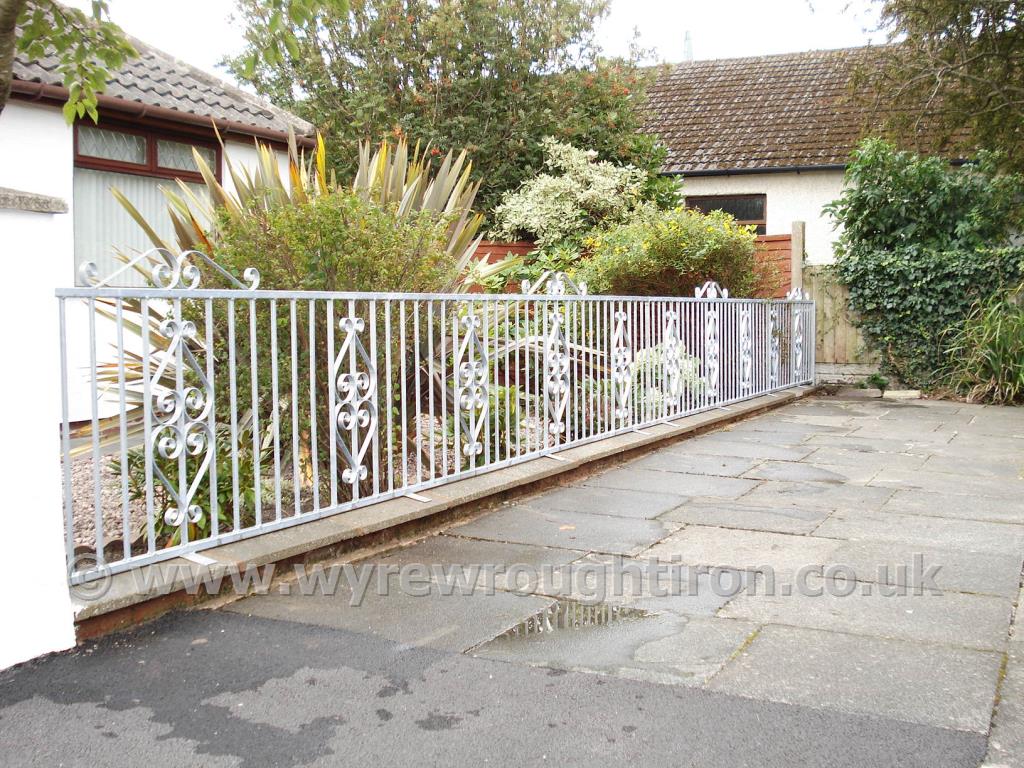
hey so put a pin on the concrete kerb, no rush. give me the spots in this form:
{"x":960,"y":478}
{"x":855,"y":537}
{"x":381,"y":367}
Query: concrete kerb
{"x":382,"y":526}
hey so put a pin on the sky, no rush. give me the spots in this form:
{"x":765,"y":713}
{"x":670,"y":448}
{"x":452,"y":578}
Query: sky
{"x":718,"y":28}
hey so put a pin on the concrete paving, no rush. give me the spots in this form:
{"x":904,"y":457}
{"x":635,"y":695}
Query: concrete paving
{"x":850,"y":576}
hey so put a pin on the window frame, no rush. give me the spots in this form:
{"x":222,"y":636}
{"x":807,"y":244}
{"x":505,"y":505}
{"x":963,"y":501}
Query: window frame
{"x":150,"y":168}
{"x":744,"y":196}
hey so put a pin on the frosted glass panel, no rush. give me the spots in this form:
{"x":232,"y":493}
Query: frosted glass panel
{"x":176,"y":155}
{"x":102,"y":226}
{"x":111,"y":145}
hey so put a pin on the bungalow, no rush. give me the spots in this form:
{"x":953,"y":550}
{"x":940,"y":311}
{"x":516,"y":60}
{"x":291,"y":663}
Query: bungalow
{"x":154,"y":111}
{"x":766,"y":138}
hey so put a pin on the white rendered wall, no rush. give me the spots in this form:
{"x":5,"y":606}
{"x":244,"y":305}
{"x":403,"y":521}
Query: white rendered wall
{"x":36,"y":248}
{"x":243,"y":155}
{"x":790,"y":197}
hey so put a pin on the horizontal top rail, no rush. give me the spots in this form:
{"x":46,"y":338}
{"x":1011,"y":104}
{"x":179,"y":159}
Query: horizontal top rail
{"x":231,"y":293}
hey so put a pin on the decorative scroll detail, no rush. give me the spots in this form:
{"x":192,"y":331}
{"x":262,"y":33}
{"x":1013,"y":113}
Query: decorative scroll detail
{"x":774,"y":356}
{"x":471,"y":367}
{"x":711,"y":290}
{"x":355,"y":413}
{"x":555,"y":284}
{"x":168,"y":271}
{"x":622,"y":366}
{"x":798,"y":340}
{"x":798,"y":294}
{"x":672,"y":357}
{"x":181,"y":423}
{"x":711,"y":347}
{"x":746,"y":351}
{"x":556,"y":370}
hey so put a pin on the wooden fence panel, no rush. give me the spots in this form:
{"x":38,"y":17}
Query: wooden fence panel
{"x":839,"y":341}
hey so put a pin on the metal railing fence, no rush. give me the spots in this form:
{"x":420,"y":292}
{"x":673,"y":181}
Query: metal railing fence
{"x":214,"y":415}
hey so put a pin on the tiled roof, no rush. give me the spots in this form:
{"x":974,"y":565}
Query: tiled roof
{"x":157,"y":79}
{"x":789,"y":110}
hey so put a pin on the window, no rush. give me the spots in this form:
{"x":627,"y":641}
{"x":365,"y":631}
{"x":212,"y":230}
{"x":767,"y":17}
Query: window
{"x":142,"y":152}
{"x":746,"y":209}
{"x":140,"y":163}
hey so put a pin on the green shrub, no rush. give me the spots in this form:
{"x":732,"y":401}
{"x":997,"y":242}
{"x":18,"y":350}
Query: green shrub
{"x":669,"y":253}
{"x":906,"y":299}
{"x":338,"y":242}
{"x":921,"y":243}
{"x":575,"y":194}
{"x":986,"y":355}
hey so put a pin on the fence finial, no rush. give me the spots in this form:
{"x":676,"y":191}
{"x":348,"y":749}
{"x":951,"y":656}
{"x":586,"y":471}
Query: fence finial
{"x":711,"y":290}
{"x":798,"y":294}
{"x":555,"y":284}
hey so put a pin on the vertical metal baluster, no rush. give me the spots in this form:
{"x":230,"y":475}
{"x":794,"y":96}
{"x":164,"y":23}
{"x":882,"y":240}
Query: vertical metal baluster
{"x":405,"y":419}
{"x":233,"y":400}
{"x":508,"y":387}
{"x":95,"y":425}
{"x":353,"y":432}
{"x":294,"y":334}
{"x":257,"y":472}
{"x":210,"y":366}
{"x":375,"y":425}
{"x":544,"y":368}
{"x":275,"y":413}
{"x":313,"y":449}
{"x":147,"y":429}
{"x":457,"y":406}
{"x":485,"y":426}
{"x":390,"y":390}
{"x":498,"y":437}
{"x":430,"y":387}
{"x":65,"y":438}
{"x":444,"y":388}
{"x":527,"y":328}
{"x":179,"y":376}
{"x":417,"y":388}
{"x":122,"y":422}
{"x":516,"y":331}
{"x":332,"y":379}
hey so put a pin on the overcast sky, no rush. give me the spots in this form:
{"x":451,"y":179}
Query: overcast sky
{"x":200,"y":32}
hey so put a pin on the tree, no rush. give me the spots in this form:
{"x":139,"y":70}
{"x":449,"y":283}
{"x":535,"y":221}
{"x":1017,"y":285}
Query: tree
{"x":87,"y":48}
{"x":494,"y":76}
{"x":963,"y":60}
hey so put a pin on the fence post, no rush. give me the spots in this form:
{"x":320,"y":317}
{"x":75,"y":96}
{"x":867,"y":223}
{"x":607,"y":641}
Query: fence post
{"x":796,"y":255}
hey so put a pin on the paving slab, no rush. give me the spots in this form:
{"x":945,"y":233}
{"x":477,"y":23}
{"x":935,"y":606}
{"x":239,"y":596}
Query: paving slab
{"x":521,"y":524}
{"x":644,"y":584}
{"x":680,"y":484}
{"x":996,"y":509}
{"x":951,"y":618}
{"x":945,"y":482}
{"x":972,"y":535}
{"x":830,"y":496}
{"x":603,"y":500}
{"x":443,"y":554}
{"x":805,"y":471}
{"x":451,"y":622}
{"x":960,"y":569}
{"x":658,"y":648}
{"x":696,"y":464}
{"x":736,"y":514}
{"x":872,"y":444}
{"x":944,"y":687}
{"x":729,"y":444}
{"x":1006,"y":742}
{"x":744,"y":550}
{"x":866,"y":458}
{"x":1005,"y":467}
{"x":775,"y":423}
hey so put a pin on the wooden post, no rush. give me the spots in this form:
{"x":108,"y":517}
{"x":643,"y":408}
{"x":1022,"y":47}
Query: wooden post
{"x":796,"y":257}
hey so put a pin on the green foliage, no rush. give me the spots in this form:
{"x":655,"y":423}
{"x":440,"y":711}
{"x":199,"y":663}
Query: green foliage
{"x":877,"y":381}
{"x":986,"y":354}
{"x":961,"y":62}
{"x":576,"y":194}
{"x":494,"y":76}
{"x":669,"y":253}
{"x":895,"y":199}
{"x":921,"y":243}
{"x":87,"y":48}
{"x":338,"y":242}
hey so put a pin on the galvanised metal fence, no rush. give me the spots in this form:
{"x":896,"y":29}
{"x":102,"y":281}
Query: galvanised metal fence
{"x":213,"y":415}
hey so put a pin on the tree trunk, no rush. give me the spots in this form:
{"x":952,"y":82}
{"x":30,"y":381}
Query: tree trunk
{"x":10,"y":10}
